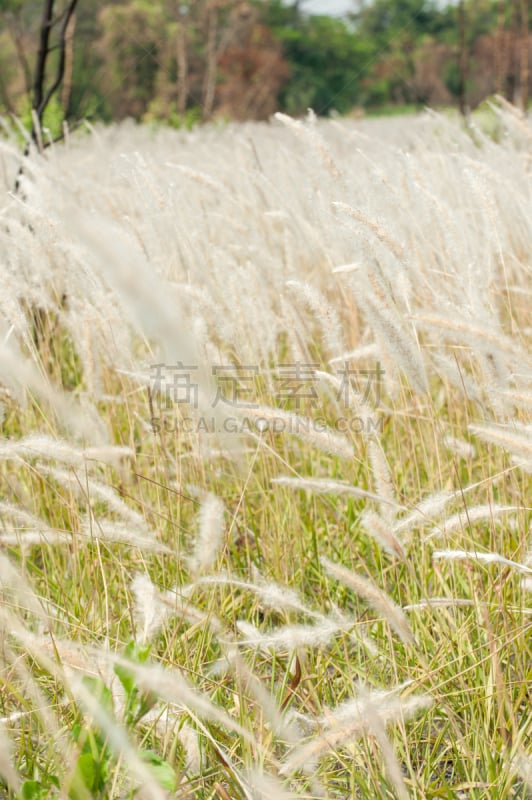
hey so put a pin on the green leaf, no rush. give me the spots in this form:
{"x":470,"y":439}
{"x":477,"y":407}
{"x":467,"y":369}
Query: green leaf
{"x":87,"y":778}
{"x":162,"y":771}
{"x":126,"y":678}
{"x":138,"y":655}
{"x":39,"y":790}
{"x":99,"y":691}
{"x":87,"y":768}
{"x":146,"y":702}
{"x":34,"y":790}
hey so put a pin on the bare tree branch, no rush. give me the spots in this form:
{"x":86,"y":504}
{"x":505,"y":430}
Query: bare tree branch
{"x":463,"y":59}
{"x":42,"y":56}
{"x":62,"y":50}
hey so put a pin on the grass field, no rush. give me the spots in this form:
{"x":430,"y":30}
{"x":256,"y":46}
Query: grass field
{"x":265,"y":459}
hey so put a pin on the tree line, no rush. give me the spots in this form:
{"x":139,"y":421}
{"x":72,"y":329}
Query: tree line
{"x":182,"y":61}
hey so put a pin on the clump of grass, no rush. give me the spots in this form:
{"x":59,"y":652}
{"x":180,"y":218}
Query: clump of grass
{"x":234,"y":562}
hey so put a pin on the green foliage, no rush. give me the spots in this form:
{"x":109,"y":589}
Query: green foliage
{"x":10,"y":5}
{"x":156,"y":114}
{"x":133,"y":35}
{"x":39,"y":790}
{"x":94,"y":762}
{"x":137,"y":703}
{"x":93,"y":772}
{"x":161,"y":769}
{"x":384,"y":19}
{"x":126,"y":57}
{"x":53,"y":118}
{"x":328,"y":60}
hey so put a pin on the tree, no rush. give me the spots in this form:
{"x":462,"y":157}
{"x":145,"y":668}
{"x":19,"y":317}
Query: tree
{"x":463,"y":59}
{"x":185,"y":60}
{"x":326,"y":59}
{"x":12,"y":11}
{"x":252,"y":68}
{"x":45,"y":88}
{"x":15,"y":41}
{"x":178,"y":12}
{"x":132,"y":47}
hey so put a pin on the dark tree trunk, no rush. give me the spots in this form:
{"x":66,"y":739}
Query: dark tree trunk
{"x":524,"y":53}
{"x":41,"y":94}
{"x":463,"y":59}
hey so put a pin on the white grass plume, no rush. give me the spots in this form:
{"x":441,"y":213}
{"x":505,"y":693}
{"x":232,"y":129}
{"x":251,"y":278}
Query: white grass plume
{"x":378,"y":599}
{"x":288,"y":638}
{"x":29,"y":538}
{"x":42,"y":446}
{"x":150,"y":613}
{"x":377,"y":728}
{"x":405,"y":353}
{"x":424,"y":513}
{"x":210,"y":535}
{"x":329,"y":486}
{"x":95,"y":490}
{"x":20,"y":375}
{"x":173,"y":687}
{"x":148,"y":301}
{"x":304,"y":428}
{"x":459,"y":447}
{"x":202,"y":178}
{"x":522,"y":765}
{"x":274,"y":716}
{"x":440,"y":602}
{"x":108,"y":530}
{"x":363,"y":352}
{"x":382,"y":478}
{"x":469,"y":330}
{"x":7,"y":770}
{"x":323,"y":310}
{"x":35,"y":446}
{"x":20,"y":515}
{"x":283,"y":599}
{"x":271,"y":595}
{"x":12,"y":580}
{"x":265,"y":787}
{"x":376,"y":229}
{"x":170,"y":604}
{"x":354,"y":401}
{"x":189,"y":740}
{"x":351,"y":720}
{"x":463,"y":519}
{"x":526,"y":583}
{"x":516,"y":439}
{"x":381,"y":531}
{"x":483,"y":558}
{"x":308,"y":134}
{"x":342,"y":268}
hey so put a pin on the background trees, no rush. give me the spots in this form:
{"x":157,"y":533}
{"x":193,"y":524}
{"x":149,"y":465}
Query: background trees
{"x":182,"y":60}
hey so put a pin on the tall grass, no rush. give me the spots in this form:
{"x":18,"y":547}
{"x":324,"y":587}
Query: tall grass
{"x":293,"y":559}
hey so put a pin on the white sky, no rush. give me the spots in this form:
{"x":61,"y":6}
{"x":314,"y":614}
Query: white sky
{"x":335,"y":8}
{"x":332,"y":7}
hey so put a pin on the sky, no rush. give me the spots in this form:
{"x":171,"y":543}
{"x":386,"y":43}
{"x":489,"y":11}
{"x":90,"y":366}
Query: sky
{"x":332,"y":7}
{"x":335,"y":8}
